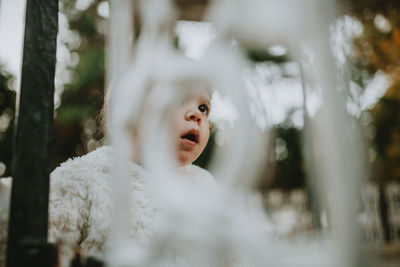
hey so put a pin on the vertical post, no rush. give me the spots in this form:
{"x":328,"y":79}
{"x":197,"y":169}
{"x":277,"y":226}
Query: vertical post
{"x":337,"y":165}
{"x":27,"y":234}
{"x":312,"y":188}
{"x":120,"y":31}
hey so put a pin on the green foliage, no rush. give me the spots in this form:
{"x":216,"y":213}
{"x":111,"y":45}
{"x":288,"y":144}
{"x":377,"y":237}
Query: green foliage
{"x":82,"y":98}
{"x":90,"y":69}
{"x":74,"y":112}
{"x":85,"y":24}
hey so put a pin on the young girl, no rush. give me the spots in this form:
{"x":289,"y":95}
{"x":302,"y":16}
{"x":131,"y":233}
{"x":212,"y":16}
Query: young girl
{"x":81,"y":198}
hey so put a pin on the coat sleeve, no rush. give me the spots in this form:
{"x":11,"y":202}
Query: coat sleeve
{"x":68,"y":205}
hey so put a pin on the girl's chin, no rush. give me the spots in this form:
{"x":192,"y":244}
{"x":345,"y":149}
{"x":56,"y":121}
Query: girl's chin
{"x":185,"y":158}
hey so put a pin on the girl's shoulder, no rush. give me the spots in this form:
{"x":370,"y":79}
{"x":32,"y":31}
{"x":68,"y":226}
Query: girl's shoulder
{"x":77,"y":175}
{"x":92,"y":170}
{"x":93,"y":164}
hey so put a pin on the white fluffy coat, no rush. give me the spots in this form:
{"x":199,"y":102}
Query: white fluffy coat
{"x":80,"y":204}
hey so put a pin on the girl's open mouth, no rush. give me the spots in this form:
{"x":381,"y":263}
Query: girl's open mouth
{"x":191,"y":137}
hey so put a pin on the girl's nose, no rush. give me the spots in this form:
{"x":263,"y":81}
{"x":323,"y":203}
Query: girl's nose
{"x":193,"y":115}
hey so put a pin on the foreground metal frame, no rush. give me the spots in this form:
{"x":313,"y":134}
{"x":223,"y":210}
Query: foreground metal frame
{"x":27,"y":233}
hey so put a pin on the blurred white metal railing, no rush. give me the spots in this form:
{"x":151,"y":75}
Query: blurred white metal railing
{"x":132,"y":64}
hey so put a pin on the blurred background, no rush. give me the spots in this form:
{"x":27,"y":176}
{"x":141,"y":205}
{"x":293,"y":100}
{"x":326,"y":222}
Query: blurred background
{"x":366,"y":45}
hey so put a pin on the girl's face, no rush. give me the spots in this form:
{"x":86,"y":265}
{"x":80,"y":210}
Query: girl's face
{"x":190,"y":126}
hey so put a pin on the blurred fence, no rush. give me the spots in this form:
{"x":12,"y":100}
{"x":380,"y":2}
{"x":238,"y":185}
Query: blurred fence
{"x":292,"y":217}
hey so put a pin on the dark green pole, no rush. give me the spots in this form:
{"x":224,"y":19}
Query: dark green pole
{"x":27,"y":231}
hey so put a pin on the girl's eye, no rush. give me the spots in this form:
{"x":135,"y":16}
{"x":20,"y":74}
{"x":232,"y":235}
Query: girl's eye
{"x":203,"y":109}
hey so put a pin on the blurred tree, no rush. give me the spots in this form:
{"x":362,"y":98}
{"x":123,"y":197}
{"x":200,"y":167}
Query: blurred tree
{"x":289,"y":170}
{"x":77,"y":127}
{"x":7,"y":114}
{"x":359,"y":6}
{"x":378,"y":49}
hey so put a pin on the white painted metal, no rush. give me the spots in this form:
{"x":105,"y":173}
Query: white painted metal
{"x":205,"y":240}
